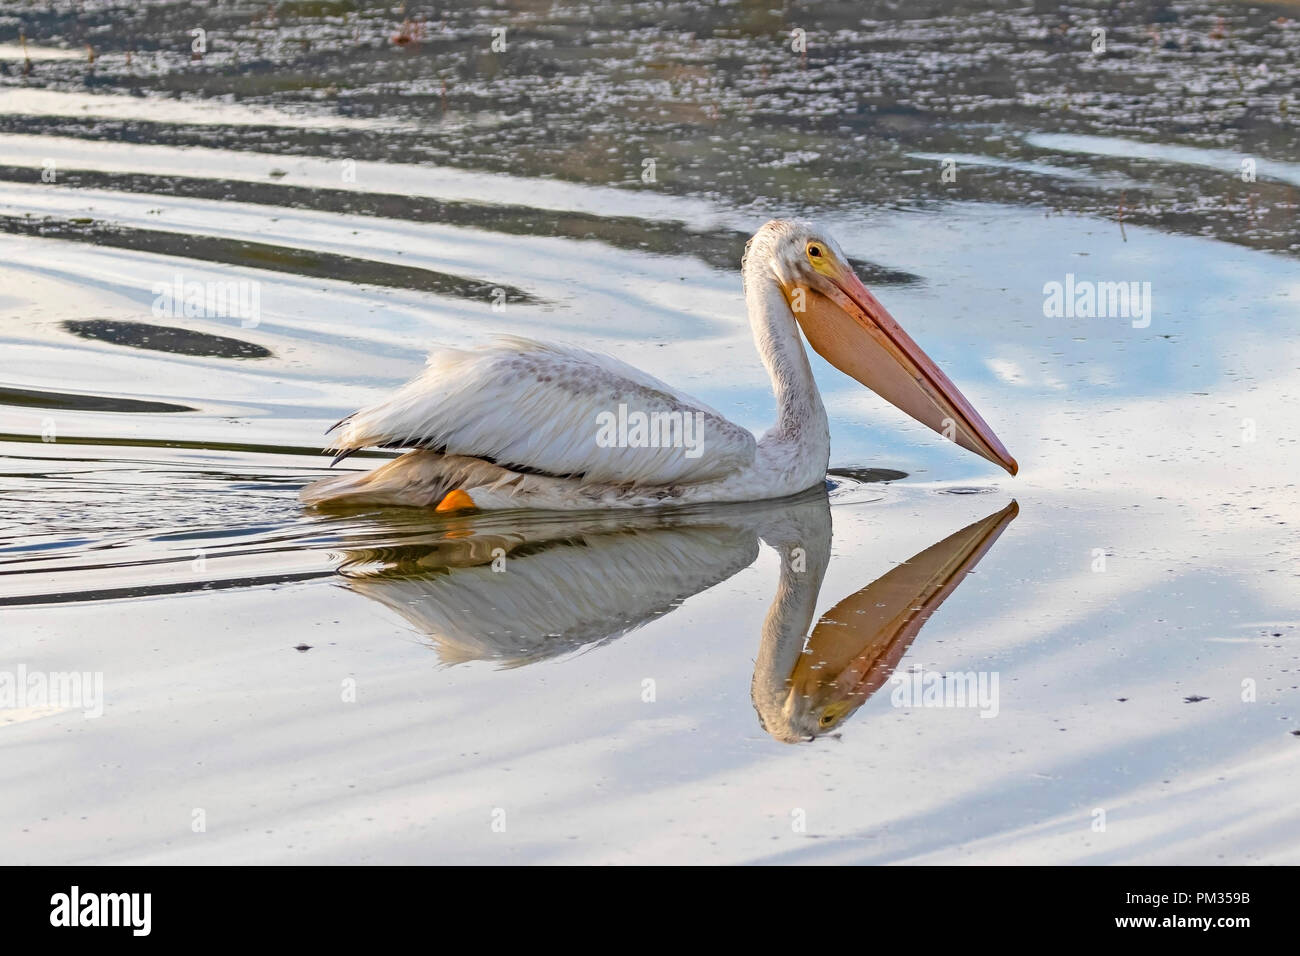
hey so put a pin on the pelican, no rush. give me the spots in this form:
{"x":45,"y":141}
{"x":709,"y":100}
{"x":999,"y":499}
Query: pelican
{"x":524,"y":424}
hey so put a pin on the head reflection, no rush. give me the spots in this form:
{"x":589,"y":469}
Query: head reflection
{"x":519,"y":588}
{"x":808,"y":683}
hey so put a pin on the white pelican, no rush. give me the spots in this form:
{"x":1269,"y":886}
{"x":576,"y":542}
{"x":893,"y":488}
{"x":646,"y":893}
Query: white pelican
{"x":522,"y":424}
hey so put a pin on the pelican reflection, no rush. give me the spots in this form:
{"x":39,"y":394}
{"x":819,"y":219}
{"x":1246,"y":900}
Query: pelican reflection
{"x":519,"y":588}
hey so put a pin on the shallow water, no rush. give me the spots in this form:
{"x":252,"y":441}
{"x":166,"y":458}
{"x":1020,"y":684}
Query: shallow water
{"x":643,"y":688}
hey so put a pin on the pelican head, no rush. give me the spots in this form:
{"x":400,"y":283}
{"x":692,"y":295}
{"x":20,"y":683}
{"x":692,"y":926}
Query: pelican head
{"x":847,"y":326}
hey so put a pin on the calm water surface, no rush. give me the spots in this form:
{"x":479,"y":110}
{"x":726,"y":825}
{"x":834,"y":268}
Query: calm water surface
{"x":719,"y":684}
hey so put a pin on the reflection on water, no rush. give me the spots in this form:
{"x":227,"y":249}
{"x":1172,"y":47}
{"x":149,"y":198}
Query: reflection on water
{"x":552,"y":584}
{"x":855,"y":646}
{"x":163,"y":338}
{"x":546,"y":586}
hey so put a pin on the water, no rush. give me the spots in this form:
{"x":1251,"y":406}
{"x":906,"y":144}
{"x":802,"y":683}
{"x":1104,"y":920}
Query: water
{"x":645,"y":688}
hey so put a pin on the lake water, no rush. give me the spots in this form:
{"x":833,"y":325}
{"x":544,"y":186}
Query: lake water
{"x":775,"y":682}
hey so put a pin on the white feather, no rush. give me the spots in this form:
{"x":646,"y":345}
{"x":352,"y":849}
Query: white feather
{"x":535,"y":407}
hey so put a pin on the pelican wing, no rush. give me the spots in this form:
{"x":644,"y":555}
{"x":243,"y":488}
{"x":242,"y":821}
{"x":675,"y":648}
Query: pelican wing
{"x":554,"y":410}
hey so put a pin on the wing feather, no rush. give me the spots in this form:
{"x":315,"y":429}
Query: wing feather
{"x":553,"y":410}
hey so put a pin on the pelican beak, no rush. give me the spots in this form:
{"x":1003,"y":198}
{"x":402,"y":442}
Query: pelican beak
{"x":887,"y":361}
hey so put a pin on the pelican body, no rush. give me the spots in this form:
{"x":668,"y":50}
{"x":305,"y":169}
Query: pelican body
{"x":524,"y":424}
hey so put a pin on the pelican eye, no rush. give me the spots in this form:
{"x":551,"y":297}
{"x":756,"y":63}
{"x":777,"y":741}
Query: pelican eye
{"x":815,"y":251}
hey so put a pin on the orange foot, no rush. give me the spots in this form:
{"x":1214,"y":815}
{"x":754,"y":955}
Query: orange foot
{"x":456,"y":501}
